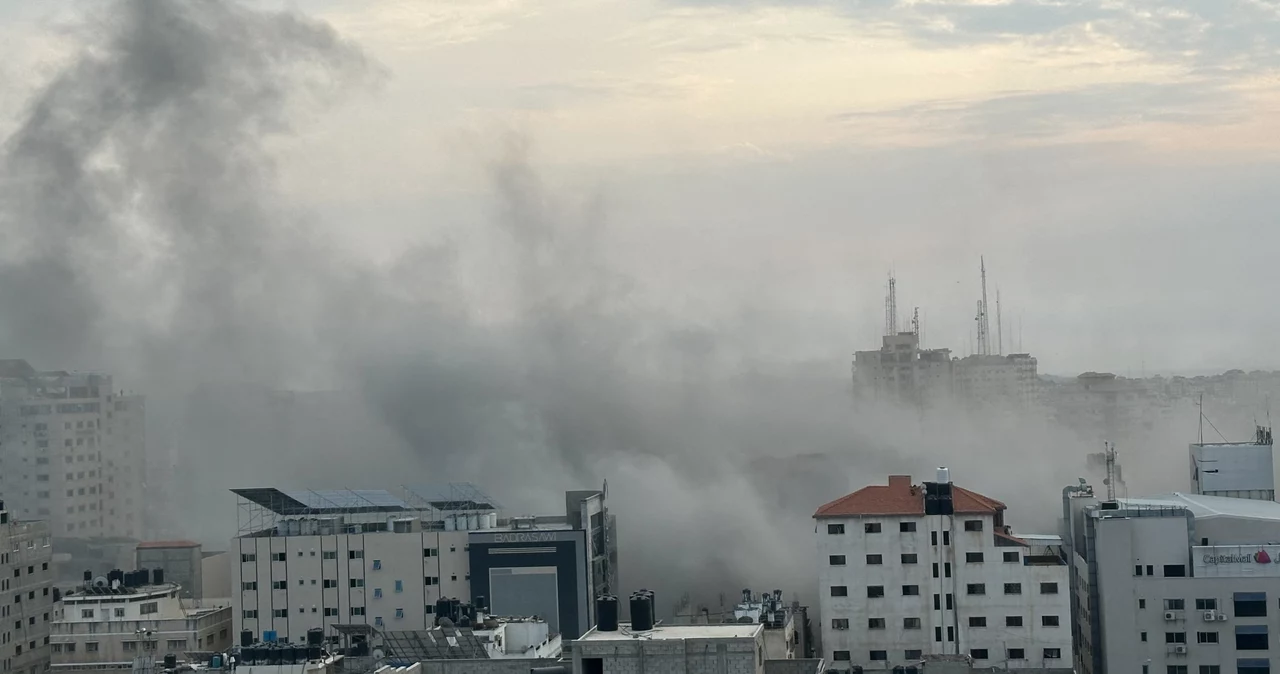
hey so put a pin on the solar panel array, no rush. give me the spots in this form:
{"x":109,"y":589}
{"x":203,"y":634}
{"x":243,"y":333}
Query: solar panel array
{"x":348,"y":499}
{"x":453,"y":496}
{"x":441,"y":643}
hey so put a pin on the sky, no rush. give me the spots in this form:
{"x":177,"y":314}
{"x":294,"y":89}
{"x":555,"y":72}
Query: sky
{"x":1111,"y":159}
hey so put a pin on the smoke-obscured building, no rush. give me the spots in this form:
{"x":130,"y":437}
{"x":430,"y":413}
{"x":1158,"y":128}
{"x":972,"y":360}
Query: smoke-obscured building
{"x":1006,"y":382}
{"x":72,"y":452}
{"x":316,"y":559}
{"x":902,"y":372}
{"x":26,"y":555}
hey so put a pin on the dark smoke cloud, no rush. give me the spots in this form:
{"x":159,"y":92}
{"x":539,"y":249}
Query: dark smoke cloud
{"x":147,"y":237}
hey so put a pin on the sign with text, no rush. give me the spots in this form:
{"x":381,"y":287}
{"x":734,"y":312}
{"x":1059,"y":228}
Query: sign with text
{"x":1236,"y":561}
{"x":529,"y":536}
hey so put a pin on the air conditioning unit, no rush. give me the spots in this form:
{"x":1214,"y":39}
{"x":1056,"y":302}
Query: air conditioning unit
{"x":1222,"y":617}
{"x":1170,"y":615}
{"x":1180,"y":649}
{"x":1210,"y":616}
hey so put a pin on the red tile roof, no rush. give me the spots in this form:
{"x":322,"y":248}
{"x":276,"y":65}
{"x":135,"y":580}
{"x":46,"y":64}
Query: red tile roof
{"x":900,"y":497}
{"x":168,"y":544}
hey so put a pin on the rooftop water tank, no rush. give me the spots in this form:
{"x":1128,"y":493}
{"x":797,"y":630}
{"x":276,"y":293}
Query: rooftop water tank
{"x":641,"y":613}
{"x":607,"y":613}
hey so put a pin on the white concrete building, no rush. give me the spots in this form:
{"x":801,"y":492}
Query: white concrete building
{"x":315,"y":559}
{"x":102,"y":628}
{"x":72,"y":452}
{"x":1235,"y":469}
{"x":26,"y":579}
{"x":1173,"y":584}
{"x":677,"y":649}
{"x":1002,"y":382}
{"x":901,"y":371}
{"x":906,"y":571}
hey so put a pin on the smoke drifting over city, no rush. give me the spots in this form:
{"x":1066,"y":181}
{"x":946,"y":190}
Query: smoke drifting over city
{"x":147,"y":237}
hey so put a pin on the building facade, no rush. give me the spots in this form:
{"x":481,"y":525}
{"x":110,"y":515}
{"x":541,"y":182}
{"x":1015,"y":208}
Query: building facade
{"x":100,"y":628}
{"x":72,"y":452}
{"x":26,"y":580}
{"x":906,"y":571}
{"x":1177,"y":583}
{"x":1235,"y":469}
{"x":902,"y":372}
{"x":1005,"y":382}
{"x":318,"y":559}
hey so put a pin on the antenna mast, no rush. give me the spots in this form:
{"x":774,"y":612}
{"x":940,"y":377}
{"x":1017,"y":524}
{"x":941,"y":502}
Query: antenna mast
{"x":891,"y":308}
{"x":1111,"y":470}
{"x":999,"y":327}
{"x":984,"y":324}
{"x":915,"y":324}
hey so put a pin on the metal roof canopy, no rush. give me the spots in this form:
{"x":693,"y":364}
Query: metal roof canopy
{"x":453,"y":496}
{"x":325,"y":501}
{"x":442,"y":643}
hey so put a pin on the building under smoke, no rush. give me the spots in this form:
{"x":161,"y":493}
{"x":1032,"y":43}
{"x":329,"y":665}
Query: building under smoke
{"x":73,"y":452}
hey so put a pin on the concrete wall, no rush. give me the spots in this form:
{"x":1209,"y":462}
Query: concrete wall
{"x":181,"y":565}
{"x":215,"y":575}
{"x":501,"y":666}
{"x":797,"y":666}
{"x":26,"y":576}
{"x":673,"y":656}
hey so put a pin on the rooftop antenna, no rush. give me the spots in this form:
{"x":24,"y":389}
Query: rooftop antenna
{"x":1111,"y":470}
{"x":1200,"y":407}
{"x":999,"y":327}
{"x":891,"y":308}
{"x":984,"y":324}
{"x":915,"y":324}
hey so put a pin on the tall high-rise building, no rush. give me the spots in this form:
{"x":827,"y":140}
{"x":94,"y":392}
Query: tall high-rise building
{"x":72,"y":452}
{"x":900,"y":371}
{"x":26,"y":554}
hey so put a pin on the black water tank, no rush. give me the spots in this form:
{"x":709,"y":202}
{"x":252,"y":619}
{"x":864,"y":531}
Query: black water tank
{"x":442,"y":609}
{"x":607,"y":613}
{"x":314,"y":653}
{"x":641,"y":613}
{"x":455,"y":609}
{"x":272,"y":656}
{"x":480,"y":604}
{"x":246,"y":638}
{"x":315,"y":636}
{"x":653,"y":605}
{"x":170,"y":661}
{"x":158,"y":576}
{"x":88,"y":576}
{"x":554,"y":669}
{"x":114,"y":575}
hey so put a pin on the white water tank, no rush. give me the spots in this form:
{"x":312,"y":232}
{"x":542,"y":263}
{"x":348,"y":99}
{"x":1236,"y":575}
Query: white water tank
{"x":944,"y":475}
{"x":493,"y":520}
{"x":473,"y":521}
{"x":449,"y":523}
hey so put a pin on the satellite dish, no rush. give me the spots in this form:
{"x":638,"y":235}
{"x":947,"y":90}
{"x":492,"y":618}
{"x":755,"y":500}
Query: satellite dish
{"x":378,"y":654}
{"x":100,"y":581}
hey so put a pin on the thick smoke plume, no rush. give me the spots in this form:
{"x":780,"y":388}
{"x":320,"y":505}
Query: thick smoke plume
{"x":146,"y":237}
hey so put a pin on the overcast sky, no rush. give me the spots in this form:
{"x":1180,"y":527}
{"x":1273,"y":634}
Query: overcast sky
{"x":766,"y":164}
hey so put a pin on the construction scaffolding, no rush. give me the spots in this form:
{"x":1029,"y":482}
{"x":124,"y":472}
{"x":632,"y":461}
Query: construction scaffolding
{"x":270,"y":511}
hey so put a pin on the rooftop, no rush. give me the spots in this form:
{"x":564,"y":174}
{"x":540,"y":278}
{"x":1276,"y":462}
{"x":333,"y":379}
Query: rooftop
{"x":167,"y":544}
{"x":725,"y":631}
{"x":900,"y":497}
{"x":1209,"y":507}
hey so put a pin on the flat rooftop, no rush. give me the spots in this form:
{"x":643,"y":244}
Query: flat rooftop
{"x":1209,"y":507}
{"x":723,"y":631}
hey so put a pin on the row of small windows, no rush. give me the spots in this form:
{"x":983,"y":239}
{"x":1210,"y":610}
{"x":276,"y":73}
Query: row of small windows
{"x":1244,"y":604}
{"x":31,"y":569}
{"x":328,"y":554}
{"x":877,"y":591}
{"x":974,"y":621}
{"x":903,"y":527}
{"x":975,"y":653}
{"x":913,"y":558}
{"x":329,"y":612}
{"x":329,"y":583}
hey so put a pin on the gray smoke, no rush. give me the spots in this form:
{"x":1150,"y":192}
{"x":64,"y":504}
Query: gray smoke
{"x":147,"y":238}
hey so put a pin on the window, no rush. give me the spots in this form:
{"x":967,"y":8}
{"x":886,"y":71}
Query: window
{"x":248,"y":586}
{"x":1210,"y":669}
{"x":329,"y":554}
{"x":839,"y":623}
{"x":331,"y":613}
{"x":1206,"y":604}
{"x":1049,"y":621}
{"x":131,"y":645}
{"x":977,"y":653}
{"x":328,"y":583}
{"x":873,"y":592}
{"x":278,"y":556}
{"x":906,"y":527}
{"x":84,"y":613}
{"x":913,"y":654}
{"x":357,"y":610}
{"x":177,"y":644}
{"x":935,"y":569}
{"x":836,"y":560}
{"x":1175,"y":637}
{"x":280,"y":613}
{"x":1137,"y":569}
{"x":430,"y":552}
{"x":1174,"y":604}
{"x":908,"y":558}
{"x":355,"y":554}
{"x":1206,"y":637}
{"x":933,"y":538}
{"x":910,"y":590}
{"x":976,"y":588}
{"x":1013,"y":588}
{"x":973,"y":525}
{"x":1016,"y":654}
{"x":1250,"y":604}
{"x":435,"y":580}
{"x":1150,"y":570}
{"x":249,"y":615}
{"x":879,"y":655}
{"x":946,"y":538}
{"x":910,"y":623}
{"x":279,"y":584}
{"x":871,"y":528}
{"x":973,"y":557}
{"x":399,"y":586}
{"x":835,"y":529}
{"x":875,"y":623}
{"x":1175,"y":669}
{"x":875,"y":559}
{"x":843,"y":591}
{"x":1175,"y":571}
{"x":949,"y":601}
{"x":977,"y":621}
{"x":149,"y":608}
{"x":1142,"y":603}
{"x":840,"y":656}
{"x":1011,"y":556}
{"x":1048,"y":588}
{"x":1251,"y":638}
{"x":1056,"y":654}
{"x":119,"y":613}
{"x":357,"y":582}
{"x":1013,"y":621}
{"x":937,"y":633}
{"x":244,"y":559}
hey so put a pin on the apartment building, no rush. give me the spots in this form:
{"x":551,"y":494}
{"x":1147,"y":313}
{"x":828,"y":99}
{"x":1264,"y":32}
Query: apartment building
{"x":118,"y":627}
{"x":1235,"y":469}
{"x":26,"y":580}
{"x":1004,"y":382}
{"x":902,"y":372}
{"x":72,"y":452}
{"x":315,"y":559}
{"x":907,"y":571}
{"x":1174,"y":584}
